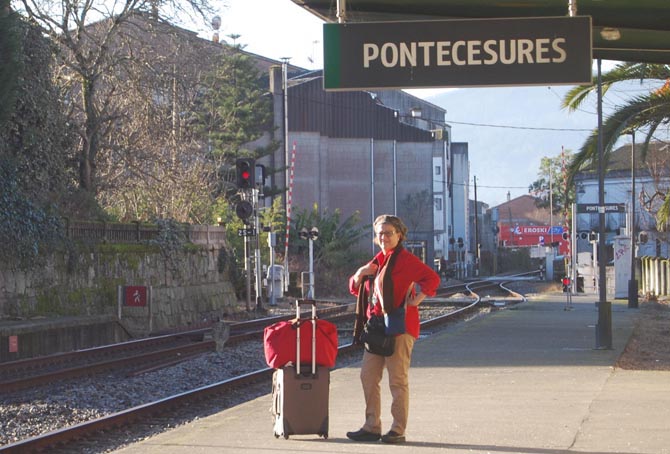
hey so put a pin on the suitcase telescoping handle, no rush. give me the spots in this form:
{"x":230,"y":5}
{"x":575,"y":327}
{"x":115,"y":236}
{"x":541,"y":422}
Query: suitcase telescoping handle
{"x":299,"y":303}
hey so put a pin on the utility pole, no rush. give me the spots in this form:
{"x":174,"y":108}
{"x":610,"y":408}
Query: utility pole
{"x":551,"y":205}
{"x":476,"y":231}
{"x":632,"y":282}
{"x":604,"y":326}
{"x":288,"y":167}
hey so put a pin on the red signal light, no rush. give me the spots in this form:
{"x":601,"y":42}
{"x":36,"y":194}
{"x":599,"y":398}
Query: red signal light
{"x":245,"y":173}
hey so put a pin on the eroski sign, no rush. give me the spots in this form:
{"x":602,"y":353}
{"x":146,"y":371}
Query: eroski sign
{"x":449,"y":53}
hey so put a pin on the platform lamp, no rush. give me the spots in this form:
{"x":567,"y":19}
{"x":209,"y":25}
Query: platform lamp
{"x":632,"y":282}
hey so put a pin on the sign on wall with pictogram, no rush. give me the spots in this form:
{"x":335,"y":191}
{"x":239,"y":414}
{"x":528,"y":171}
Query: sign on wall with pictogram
{"x":135,"y":296}
{"x":13,"y":344}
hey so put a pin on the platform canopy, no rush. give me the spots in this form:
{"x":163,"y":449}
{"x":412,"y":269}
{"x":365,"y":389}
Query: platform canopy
{"x":624,"y":30}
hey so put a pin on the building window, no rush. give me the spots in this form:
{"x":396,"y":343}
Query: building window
{"x":438,"y":170}
{"x":438,"y":203}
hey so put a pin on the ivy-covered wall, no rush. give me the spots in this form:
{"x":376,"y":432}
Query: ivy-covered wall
{"x":188,"y":286}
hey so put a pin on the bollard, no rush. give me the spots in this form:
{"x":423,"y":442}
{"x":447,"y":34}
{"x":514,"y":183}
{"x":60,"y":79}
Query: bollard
{"x":221,"y":334}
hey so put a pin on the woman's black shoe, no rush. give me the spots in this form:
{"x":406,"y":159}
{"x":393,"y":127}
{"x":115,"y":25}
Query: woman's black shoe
{"x":363,"y":435}
{"x":393,"y":437}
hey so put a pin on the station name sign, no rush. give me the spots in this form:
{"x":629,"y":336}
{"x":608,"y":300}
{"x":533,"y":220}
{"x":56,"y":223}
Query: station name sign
{"x":457,"y":53}
{"x":592,"y":208}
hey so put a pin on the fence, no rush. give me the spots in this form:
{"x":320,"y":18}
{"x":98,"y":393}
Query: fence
{"x":111,"y":232}
{"x":655,"y":276}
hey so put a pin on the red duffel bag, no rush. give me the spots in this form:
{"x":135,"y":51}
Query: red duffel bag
{"x":279,"y":343}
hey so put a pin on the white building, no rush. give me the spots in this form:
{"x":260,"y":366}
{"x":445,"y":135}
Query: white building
{"x":652,"y":180}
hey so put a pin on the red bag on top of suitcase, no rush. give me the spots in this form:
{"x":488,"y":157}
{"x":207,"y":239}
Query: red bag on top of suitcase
{"x":280,"y":344}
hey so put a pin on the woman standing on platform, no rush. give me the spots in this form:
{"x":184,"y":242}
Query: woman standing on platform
{"x":395,"y":272}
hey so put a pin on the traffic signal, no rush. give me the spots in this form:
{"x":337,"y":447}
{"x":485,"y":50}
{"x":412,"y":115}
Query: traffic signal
{"x":244,"y":210}
{"x":245,"y":168}
{"x":566,"y":284}
{"x":643,"y":237}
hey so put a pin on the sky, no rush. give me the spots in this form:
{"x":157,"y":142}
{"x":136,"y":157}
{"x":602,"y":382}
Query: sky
{"x":508,"y":129}
{"x":272,"y":28}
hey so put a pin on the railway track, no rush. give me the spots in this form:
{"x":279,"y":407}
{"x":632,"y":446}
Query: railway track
{"x":469,"y":305}
{"x":137,"y":355}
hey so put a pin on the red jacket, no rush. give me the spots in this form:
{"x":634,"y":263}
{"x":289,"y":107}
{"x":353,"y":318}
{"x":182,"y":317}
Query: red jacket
{"x":408,"y":269}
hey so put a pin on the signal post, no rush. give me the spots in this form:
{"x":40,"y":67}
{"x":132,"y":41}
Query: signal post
{"x":247,"y":211}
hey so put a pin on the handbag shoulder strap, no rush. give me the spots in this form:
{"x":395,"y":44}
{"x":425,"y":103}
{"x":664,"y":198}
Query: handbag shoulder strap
{"x":407,"y":295}
{"x":361,"y":309}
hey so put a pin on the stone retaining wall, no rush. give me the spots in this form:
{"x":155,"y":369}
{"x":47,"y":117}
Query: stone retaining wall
{"x":188,"y":287}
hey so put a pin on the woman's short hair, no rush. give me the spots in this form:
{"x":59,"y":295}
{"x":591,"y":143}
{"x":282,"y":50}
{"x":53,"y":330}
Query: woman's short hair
{"x":394,"y":221}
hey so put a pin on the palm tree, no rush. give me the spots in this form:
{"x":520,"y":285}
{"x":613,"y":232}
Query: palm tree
{"x":642,"y":113}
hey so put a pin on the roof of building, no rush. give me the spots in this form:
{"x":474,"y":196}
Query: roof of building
{"x":356,"y":114}
{"x":523,"y":210}
{"x":654,"y":160}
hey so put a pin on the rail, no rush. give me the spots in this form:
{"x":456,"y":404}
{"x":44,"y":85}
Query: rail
{"x":155,"y":409}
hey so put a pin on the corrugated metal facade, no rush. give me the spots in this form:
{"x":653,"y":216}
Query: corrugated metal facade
{"x":356,"y":114}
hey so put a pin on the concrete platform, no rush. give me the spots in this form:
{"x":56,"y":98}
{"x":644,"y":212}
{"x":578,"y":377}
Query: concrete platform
{"x":46,"y":336}
{"x":524,"y":380}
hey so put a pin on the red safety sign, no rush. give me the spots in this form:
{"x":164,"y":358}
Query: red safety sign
{"x":135,"y":295}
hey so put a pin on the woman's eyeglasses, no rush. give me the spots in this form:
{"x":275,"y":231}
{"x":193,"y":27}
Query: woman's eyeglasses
{"x":387,"y":233}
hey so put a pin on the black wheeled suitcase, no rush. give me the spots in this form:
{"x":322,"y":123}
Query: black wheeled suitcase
{"x":300,"y":396}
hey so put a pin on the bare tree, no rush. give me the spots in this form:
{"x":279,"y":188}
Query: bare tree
{"x":158,"y":165}
{"x":90,"y":35}
{"x":417,"y":208}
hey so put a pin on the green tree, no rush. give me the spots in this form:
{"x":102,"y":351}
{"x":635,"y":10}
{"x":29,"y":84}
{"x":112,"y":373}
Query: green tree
{"x":28,"y":231}
{"x":337,"y":251}
{"x":644,"y":113}
{"x":9,"y":60}
{"x":234,"y":111}
{"x":552,"y":182}
{"x":34,"y":154}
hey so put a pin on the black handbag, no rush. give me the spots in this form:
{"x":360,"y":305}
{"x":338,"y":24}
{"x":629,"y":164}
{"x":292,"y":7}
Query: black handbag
{"x":374,"y":337}
{"x":394,"y":322}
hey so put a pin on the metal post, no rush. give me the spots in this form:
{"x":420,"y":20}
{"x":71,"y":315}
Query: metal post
{"x":341,"y":11}
{"x":604,"y":327}
{"x":551,"y":207}
{"x":572,"y":8}
{"x":395,"y":178}
{"x":476,"y":231}
{"x":573,"y":248}
{"x":287,"y":165}
{"x":310,"y":294}
{"x":271,"y":274}
{"x":632,"y":282}
{"x":372,"y":185}
{"x":257,"y":254}
{"x":247,"y":269}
